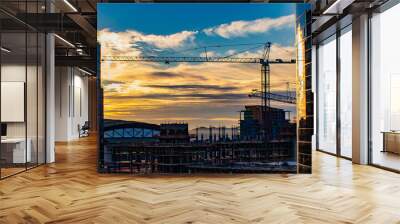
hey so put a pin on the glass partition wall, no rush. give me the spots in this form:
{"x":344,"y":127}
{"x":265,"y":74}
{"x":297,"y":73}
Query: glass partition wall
{"x":334,"y":94}
{"x":22,"y":77}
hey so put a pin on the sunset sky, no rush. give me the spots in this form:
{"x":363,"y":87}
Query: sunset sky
{"x":201,"y":94}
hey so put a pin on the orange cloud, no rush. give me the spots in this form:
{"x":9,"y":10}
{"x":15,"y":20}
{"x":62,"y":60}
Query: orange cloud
{"x":202,"y":93}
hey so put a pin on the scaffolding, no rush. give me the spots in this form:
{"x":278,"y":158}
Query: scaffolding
{"x":225,"y":157}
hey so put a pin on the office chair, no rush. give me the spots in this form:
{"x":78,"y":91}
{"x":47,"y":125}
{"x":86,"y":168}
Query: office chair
{"x":84,"y":130}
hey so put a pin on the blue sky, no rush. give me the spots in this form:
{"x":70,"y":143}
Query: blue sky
{"x":171,"y":18}
{"x":201,"y":94}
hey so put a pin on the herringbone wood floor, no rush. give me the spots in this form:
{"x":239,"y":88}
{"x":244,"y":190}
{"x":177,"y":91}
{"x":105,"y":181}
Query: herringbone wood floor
{"x":70,"y":191}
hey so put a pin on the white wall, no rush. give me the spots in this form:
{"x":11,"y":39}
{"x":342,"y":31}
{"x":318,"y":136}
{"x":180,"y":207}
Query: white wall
{"x":17,"y":73}
{"x":14,"y":73}
{"x":71,"y":102}
{"x":61,"y":103}
{"x":33,"y":126}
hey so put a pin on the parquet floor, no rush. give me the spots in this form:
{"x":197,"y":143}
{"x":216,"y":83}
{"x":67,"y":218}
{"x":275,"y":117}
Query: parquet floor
{"x":70,"y":191}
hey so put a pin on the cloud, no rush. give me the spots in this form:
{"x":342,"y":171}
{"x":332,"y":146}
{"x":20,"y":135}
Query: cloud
{"x":112,"y":82}
{"x":208,"y":96}
{"x":195,"y":114}
{"x":168,"y":75}
{"x":130,"y":42}
{"x":277,"y":52}
{"x":156,"y":92}
{"x":242,"y":28}
{"x":209,"y":54}
{"x":167,"y":41}
{"x":195,"y":87}
{"x":165,"y":75}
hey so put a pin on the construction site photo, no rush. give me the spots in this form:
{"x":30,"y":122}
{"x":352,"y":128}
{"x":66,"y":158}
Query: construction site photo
{"x":198,"y":93}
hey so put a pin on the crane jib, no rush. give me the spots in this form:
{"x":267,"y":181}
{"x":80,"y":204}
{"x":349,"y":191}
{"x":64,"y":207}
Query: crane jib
{"x":197,"y":59}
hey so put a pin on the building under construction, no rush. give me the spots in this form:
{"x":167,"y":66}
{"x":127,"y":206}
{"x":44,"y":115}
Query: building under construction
{"x":252,"y":121}
{"x":174,"y":133}
{"x":228,"y":157}
{"x":172,"y":151}
{"x":214,"y":134}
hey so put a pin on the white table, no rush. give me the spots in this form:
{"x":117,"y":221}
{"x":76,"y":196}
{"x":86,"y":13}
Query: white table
{"x":19,"y":153}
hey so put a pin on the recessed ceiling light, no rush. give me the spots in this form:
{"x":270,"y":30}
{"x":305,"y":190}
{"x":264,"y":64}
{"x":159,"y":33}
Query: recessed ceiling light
{"x":64,"y":40}
{"x":84,"y":71}
{"x":70,"y":5}
{"x":5,"y":50}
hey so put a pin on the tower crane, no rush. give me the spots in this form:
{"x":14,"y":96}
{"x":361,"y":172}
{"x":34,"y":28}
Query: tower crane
{"x":265,"y":93}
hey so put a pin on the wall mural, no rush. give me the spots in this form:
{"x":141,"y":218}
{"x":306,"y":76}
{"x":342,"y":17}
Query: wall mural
{"x":186,"y":91}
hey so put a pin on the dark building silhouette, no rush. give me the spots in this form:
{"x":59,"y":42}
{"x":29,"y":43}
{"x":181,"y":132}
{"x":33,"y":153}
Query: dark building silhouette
{"x":250,"y":128}
{"x":176,"y":133}
{"x":252,"y":122}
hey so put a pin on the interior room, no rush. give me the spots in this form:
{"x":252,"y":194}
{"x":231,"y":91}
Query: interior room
{"x":29,"y":103}
{"x":22,"y":100}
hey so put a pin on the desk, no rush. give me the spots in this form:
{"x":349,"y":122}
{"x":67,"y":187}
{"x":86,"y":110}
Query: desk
{"x":391,"y":141}
{"x":16,"y":147}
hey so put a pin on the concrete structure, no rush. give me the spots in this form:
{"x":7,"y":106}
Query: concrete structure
{"x":253,"y":121}
{"x":177,"y":133}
